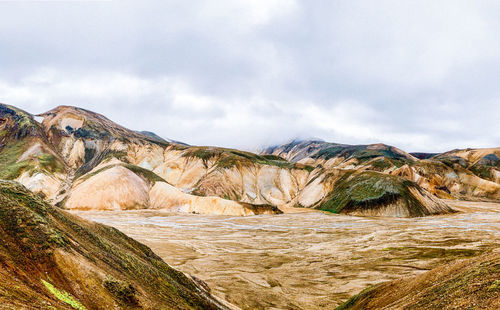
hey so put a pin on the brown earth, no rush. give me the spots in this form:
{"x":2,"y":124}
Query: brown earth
{"x":464,"y":284}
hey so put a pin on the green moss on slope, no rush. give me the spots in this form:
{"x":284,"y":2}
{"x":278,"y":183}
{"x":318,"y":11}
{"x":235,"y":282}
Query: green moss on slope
{"x":32,"y":232}
{"x":9,"y":168}
{"x":64,"y":296}
{"x":123,"y":291}
{"x":461,"y":284}
{"x":362,"y":153}
{"x":229,"y":158}
{"x":146,"y":174}
{"x":371,"y":190}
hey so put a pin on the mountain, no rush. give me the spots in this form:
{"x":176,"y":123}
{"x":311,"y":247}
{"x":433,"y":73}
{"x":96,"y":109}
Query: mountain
{"x":81,"y":160}
{"x":51,"y":259}
{"x":336,"y":154}
{"x":464,"y":284}
{"x":472,"y":174}
{"x":78,"y":159}
{"x":27,"y":155}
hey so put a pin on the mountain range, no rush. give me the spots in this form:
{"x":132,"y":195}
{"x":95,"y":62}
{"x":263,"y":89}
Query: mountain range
{"x":81,"y":160}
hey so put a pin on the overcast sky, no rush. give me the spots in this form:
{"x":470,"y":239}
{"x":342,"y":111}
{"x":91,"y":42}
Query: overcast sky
{"x":420,"y":75}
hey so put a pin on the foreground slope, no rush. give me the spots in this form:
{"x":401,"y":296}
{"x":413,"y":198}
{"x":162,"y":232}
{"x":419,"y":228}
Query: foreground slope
{"x":51,"y":259}
{"x":464,"y":284}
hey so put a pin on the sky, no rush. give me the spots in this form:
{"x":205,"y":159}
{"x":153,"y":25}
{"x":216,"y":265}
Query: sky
{"x":420,"y":75}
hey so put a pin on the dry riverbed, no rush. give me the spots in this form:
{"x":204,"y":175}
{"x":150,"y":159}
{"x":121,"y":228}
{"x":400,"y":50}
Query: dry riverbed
{"x":308,"y":260}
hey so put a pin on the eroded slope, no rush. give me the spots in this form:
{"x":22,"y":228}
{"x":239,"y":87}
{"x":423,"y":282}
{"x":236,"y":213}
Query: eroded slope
{"x":49,"y":258}
{"x":464,"y":284}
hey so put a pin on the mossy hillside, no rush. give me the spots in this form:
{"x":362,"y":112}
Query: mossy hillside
{"x":356,"y":298}
{"x":429,"y":167}
{"x":121,"y":290}
{"x":383,"y":163}
{"x":482,"y":171}
{"x":32,"y":230}
{"x":64,"y":296}
{"x":93,"y":159}
{"x":451,"y":161}
{"x":484,"y":167}
{"x":229,"y":158}
{"x":26,"y":230}
{"x":19,"y":131}
{"x":360,"y":152}
{"x":11,"y":169}
{"x":460,"y":284}
{"x":9,"y":154}
{"x":490,"y":160}
{"x":149,"y":175}
{"x":17,"y":124}
{"x":370,"y":190}
{"x":146,"y":174}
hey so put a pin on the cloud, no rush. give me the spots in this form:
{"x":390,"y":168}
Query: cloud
{"x":421,"y":75}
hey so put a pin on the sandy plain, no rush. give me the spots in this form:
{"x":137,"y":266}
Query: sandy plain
{"x":310,"y":260}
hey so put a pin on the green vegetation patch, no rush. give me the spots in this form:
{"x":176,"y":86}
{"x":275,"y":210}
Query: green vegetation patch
{"x":482,"y":171}
{"x":92,"y":160}
{"x":149,"y":175}
{"x":384,"y":163}
{"x":370,"y":190}
{"x":495,"y":286}
{"x":356,"y":298}
{"x":203,"y":153}
{"x":9,"y":168}
{"x":121,"y":290}
{"x":360,"y":152}
{"x":229,"y":158}
{"x":24,"y":218}
{"x":50,"y":163}
{"x":145,"y":173}
{"x":484,"y":167}
{"x":64,"y":296}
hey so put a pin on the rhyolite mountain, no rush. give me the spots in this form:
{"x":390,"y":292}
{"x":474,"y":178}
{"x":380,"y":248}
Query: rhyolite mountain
{"x":50,"y":259}
{"x":78,"y":159}
{"x":470,"y":174}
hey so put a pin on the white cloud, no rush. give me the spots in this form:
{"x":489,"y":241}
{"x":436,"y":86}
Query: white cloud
{"x":421,"y":75}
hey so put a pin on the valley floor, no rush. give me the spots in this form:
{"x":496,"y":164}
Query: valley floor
{"x":309,"y":260}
